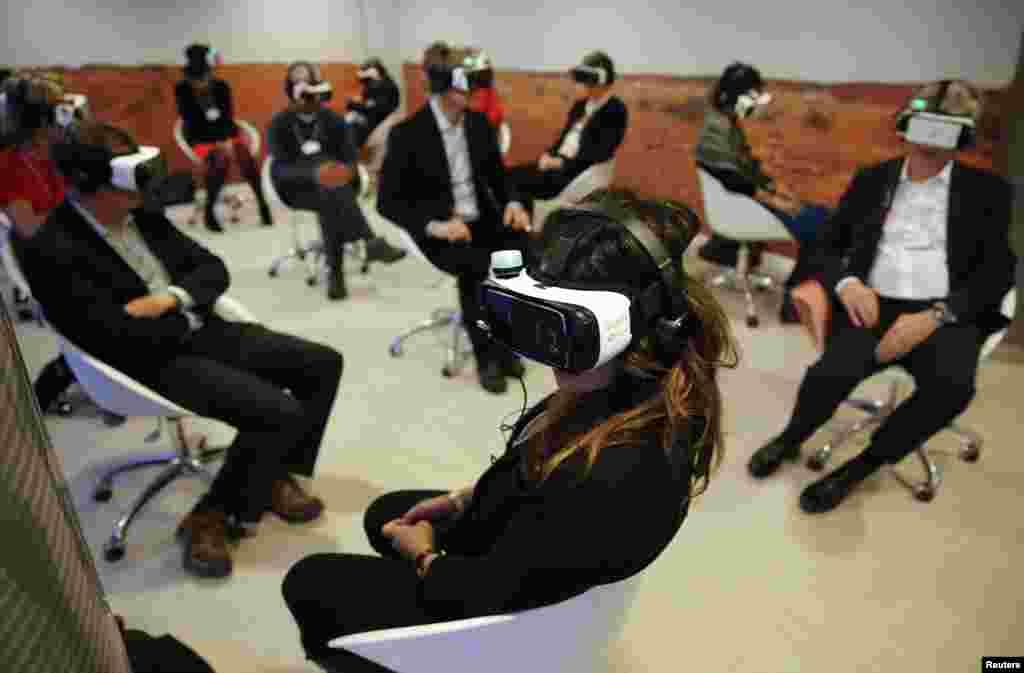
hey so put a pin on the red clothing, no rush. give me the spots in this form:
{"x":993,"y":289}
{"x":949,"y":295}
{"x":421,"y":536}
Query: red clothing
{"x":24,"y":178}
{"x":488,"y":102}
{"x":203,"y":150}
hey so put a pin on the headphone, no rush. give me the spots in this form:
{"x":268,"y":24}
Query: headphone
{"x":935,"y":104}
{"x":440,"y":75}
{"x":662,"y":307}
{"x":314,"y":80}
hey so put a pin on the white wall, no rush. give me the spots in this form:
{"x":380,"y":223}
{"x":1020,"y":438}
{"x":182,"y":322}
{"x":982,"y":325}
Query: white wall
{"x":825,"y":40}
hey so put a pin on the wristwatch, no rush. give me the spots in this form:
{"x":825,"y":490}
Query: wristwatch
{"x":942,"y":313}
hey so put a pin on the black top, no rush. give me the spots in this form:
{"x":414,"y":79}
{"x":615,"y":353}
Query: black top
{"x":416,"y":182}
{"x":83,"y":285}
{"x":291,"y":140}
{"x":193,"y":110}
{"x":380,"y":98}
{"x":601,"y":136}
{"x":520,"y":545}
{"x":981,"y":265}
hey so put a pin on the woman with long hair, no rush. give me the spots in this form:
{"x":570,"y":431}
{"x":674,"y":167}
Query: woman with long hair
{"x":595,"y":481}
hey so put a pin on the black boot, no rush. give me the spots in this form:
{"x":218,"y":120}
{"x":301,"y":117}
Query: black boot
{"x":212,"y":223}
{"x":265,"y":216}
{"x":379,"y":250}
{"x":216,"y":175}
{"x":336,"y":288}
{"x":55,"y":378}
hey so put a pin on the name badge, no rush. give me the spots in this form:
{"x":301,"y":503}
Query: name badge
{"x":311,"y":147}
{"x":213,"y":114}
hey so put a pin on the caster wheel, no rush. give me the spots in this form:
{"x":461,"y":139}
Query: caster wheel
{"x":970,"y":454}
{"x":311,"y":281}
{"x":752,"y":321}
{"x":272,"y":273}
{"x":103,"y":494}
{"x":447,"y":372}
{"x":924,"y":494}
{"x":112,"y":420}
{"x":64,"y":408}
{"x":113,"y":554}
{"x":300,"y":255}
{"x":395,"y":351}
{"x":815,"y":463}
{"x":365,"y":268}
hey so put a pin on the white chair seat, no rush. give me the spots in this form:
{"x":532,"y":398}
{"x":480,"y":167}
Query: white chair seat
{"x":597,"y":177}
{"x":568,"y":637}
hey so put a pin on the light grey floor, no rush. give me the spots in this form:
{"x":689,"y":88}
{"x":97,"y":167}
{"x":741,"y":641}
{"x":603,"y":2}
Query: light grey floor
{"x":884,"y":583}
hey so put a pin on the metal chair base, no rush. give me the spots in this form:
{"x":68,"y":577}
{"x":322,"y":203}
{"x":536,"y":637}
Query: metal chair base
{"x":745,"y":280}
{"x":876,"y":412}
{"x":457,"y":349}
{"x":179,"y":463}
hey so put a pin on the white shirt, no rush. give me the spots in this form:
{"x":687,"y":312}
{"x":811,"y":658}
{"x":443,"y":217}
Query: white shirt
{"x":911,"y":261}
{"x":459,"y":165}
{"x":570,"y":146}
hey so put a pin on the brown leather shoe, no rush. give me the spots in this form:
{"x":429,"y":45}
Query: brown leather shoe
{"x":205,"y":533}
{"x":291,"y":503}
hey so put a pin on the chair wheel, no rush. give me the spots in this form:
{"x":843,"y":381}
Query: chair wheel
{"x":300,"y":254}
{"x":103,"y":494}
{"x":272,"y":273}
{"x":113,"y":553}
{"x":112,"y":420}
{"x":815,"y":463}
{"x":970,"y":454}
{"x":63,"y":408}
{"x":753,"y":321}
{"x":311,"y":281}
{"x":365,"y":268}
{"x":395,"y":350}
{"x":924,"y":493}
{"x":447,"y":372}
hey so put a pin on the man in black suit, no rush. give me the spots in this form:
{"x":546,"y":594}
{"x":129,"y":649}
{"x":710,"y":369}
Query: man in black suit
{"x":118,"y":280}
{"x":593,"y":132}
{"x":443,"y":181}
{"x":917,"y":261}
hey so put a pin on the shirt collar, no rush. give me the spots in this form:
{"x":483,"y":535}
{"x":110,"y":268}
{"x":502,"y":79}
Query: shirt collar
{"x":97,"y":226}
{"x":593,"y":106}
{"x":944,"y":176}
{"x":443,"y":122}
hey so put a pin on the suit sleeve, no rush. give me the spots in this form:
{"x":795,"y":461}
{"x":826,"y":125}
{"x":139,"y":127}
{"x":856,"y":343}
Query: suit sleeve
{"x":601,"y":142}
{"x":202,"y":274}
{"x":396,"y":199}
{"x":835,"y":236}
{"x":504,"y":187}
{"x":227,"y":104}
{"x":574,"y":113}
{"x":993,"y":272}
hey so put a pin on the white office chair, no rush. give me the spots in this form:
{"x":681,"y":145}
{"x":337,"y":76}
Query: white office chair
{"x":457,"y":346}
{"x":119,"y":394}
{"x":744,"y":220}
{"x":569,"y":637}
{"x":312,"y":252}
{"x":597,"y":177}
{"x":25,"y":305}
{"x":376,"y":148}
{"x":878,"y":410}
{"x":233,"y":201}
{"x":504,"y":138}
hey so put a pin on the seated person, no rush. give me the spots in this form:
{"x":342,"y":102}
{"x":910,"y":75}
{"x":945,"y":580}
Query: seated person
{"x":35,"y":111}
{"x":378,"y":100}
{"x":595,"y":129}
{"x":630,"y":436}
{"x":485,"y":98}
{"x":314,"y":166}
{"x":443,"y":181}
{"x":118,"y":280}
{"x":917,"y":262}
{"x":207,"y":114}
{"x":722,"y":150}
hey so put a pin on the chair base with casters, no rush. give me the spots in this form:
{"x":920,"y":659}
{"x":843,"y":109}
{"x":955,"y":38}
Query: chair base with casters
{"x":746,"y":280}
{"x":457,"y":347}
{"x":234,"y":202}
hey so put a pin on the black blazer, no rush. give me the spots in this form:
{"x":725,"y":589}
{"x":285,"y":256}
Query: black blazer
{"x":981,"y":265}
{"x":601,"y":136}
{"x":197,"y":128}
{"x":380,"y":99}
{"x":516,"y":548}
{"x":416,"y":183}
{"x":83,"y":286}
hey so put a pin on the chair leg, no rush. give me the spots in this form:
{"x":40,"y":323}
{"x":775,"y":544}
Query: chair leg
{"x":743,"y":275}
{"x":970,"y":442}
{"x":454,"y":359}
{"x":441,"y":318}
{"x":924,"y":490}
{"x":876,"y":411}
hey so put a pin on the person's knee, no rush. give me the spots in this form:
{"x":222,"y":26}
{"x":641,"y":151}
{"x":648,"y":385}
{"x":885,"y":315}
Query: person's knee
{"x":304,"y":581}
{"x":953,"y":393}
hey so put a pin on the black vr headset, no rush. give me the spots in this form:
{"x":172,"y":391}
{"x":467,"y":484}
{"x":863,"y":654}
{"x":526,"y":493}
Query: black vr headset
{"x":119,"y":164}
{"x":595,"y":70}
{"x":925,"y":120}
{"x":473,"y":73}
{"x":573,"y":327}
{"x":200,"y":59}
{"x":311,"y":87}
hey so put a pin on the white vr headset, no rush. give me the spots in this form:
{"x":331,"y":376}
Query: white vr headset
{"x":137,"y":171}
{"x":73,"y":108}
{"x":747,"y":103}
{"x":937,"y":130}
{"x":302,"y":88}
{"x":368,"y":73}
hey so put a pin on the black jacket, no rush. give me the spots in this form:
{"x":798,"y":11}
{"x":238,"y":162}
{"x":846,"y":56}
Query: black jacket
{"x":380,"y":99}
{"x":83,"y":286}
{"x":416,"y":183}
{"x":288,"y":132}
{"x":981,"y":265}
{"x":601,"y":136}
{"x":516,"y":548}
{"x":197,"y":128}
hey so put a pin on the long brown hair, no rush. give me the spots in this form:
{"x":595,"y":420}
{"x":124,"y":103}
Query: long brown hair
{"x":686,"y":387}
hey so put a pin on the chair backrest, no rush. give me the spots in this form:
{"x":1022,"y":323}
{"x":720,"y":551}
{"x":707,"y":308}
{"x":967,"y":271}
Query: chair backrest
{"x":568,"y":637}
{"x":504,"y":138}
{"x":253,"y":134}
{"x":7,"y":258}
{"x":268,"y":184}
{"x":378,"y":138}
{"x":1008,"y":309}
{"x":597,"y":177}
{"x":736,"y":216}
{"x":179,"y":138}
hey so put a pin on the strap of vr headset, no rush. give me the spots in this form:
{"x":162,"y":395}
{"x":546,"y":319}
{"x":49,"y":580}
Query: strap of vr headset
{"x":662,"y":259}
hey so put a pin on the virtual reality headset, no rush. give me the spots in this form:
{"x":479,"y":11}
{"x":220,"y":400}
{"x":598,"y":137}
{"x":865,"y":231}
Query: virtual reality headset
{"x":118,"y":163}
{"x":73,"y":109}
{"x":568,"y":326}
{"x":939,"y":130}
{"x":461,"y":78}
{"x":589,"y":75}
{"x":303,"y":90}
{"x":365,"y":74}
{"x":747,"y":103}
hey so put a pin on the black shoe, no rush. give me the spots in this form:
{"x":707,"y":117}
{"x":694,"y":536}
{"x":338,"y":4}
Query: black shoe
{"x":379,"y":250}
{"x":265,"y":216}
{"x":212,"y":223}
{"x":769,"y":457}
{"x":719,"y":250}
{"x":492,"y":379}
{"x":336,"y":288}
{"x":826,"y":493}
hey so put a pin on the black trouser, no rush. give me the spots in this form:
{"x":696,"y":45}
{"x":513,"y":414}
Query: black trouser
{"x":537,"y":184}
{"x":943,"y":366}
{"x":217,"y":164}
{"x":238,"y":374}
{"x":341,"y":219}
{"x":332,"y":595}
{"x":470,"y":263}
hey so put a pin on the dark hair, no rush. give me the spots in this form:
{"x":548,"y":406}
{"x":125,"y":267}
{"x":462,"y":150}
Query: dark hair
{"x":687,"y":385}
{"x":29,"y":97}
{"x":737,"y":79}
{"x":599,"y":59}
{"x":83,"y":156}
{"x":379,"y":65}
{"x":197,"y":65}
